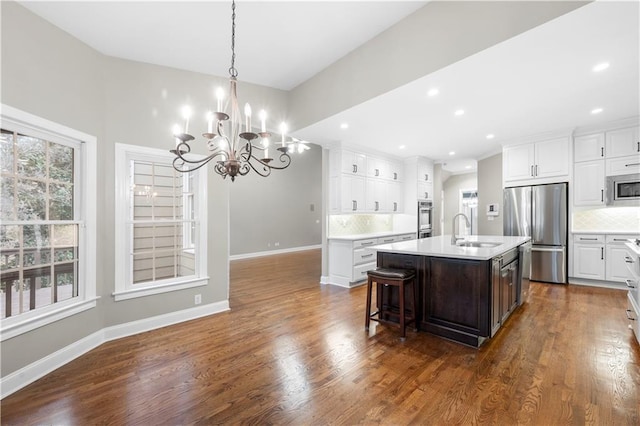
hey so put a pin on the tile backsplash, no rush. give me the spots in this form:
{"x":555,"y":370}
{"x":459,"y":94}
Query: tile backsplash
{"x":624,"y":219}
{"x":350,"y":224}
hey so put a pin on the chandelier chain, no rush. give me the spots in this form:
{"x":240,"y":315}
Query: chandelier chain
{"x":233,"y":71}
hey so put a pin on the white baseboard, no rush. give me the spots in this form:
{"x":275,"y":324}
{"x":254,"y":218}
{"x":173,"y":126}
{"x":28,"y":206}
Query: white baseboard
{"x":324,"y":279}
{"x":597,"y":283}
{"x":34,"y":371}
{"x":272,"y":252}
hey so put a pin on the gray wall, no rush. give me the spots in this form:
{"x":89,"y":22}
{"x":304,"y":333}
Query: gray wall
{"x":489,"y":192}
{"x":48,"y":73}
{"x":451,"y":189}
{"x":277,"y":209}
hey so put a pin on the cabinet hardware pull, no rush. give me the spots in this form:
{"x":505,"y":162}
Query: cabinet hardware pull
{"x":632,"y":164}
{"x":601,"y":253}
{"x":367,"y":255}
{"x":426,"y":176}
{"x":628,"y":283}
{"x":627,"y":259}
{"x":377,"y":206}
{"x":638,"y":146}
{"x":395,"y":206}
{"x":354,"y":205}
{"x":377,"y":172}
{"x":355,"y":168}
{"x":601,"y":151}
{"x":366,"y":244}
{"x":619,"y":239}
{"x":395,"y":176}
{"x":426,"y":195}
{"x":536,"y":170}
{"x":588,"y":239}
{"x":602,"y":195}
{"x":531,"y":171}
{"x":630,"y":318}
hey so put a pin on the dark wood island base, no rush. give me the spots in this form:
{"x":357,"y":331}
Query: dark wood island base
{"x":458,"y":299}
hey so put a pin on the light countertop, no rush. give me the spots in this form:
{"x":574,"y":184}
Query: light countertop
{"x":628,"y":232}
{"x":441,"y":247}
{"x":354,"y":237}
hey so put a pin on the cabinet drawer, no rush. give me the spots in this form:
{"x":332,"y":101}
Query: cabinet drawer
{"x":365,"y":243}
{"x":588,"y":238}
{"x":623,"y":165}
{"x":407,"y":237}
{"x":363,"y":255}
{"x":620,"y":239}
{"x":360,"y":271}
{"x":387,"y":240}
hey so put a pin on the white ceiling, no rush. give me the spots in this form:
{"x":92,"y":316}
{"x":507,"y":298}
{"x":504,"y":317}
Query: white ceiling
{"x":278,"y":43}
{"x":539,"y":81}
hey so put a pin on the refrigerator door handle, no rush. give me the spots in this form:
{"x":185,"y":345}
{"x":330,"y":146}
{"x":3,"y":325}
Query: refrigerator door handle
{"x":535,"y":248}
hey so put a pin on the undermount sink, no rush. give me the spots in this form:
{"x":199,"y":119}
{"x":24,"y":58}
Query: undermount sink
{"x":483,"y":244}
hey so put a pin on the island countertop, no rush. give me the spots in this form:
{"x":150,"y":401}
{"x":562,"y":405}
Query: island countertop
{"x":441,"y":247}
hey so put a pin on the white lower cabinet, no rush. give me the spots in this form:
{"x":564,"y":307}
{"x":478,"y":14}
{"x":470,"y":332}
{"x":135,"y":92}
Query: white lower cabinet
{"x":633,"y":316}
{"x":588,"y":256}
{"x":601,"y":257}
{"x":350,"y":260}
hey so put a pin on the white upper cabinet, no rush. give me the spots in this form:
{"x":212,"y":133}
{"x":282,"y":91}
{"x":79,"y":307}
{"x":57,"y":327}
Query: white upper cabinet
{"x":352,"y":194}
{"x":552,"y":158}
{"x":544,"y":159}
{"x":395,"y":197}
{"x":518,"y":162}
{"x":354,"y":163}
{"x":425,"y":170}
{"x":588,"y":147}
{"x":623,"y":142}
{"x":377,"y":168}
{"x":396,"y":171}
{"x":376,"y":196}
{"x":588,"y":183}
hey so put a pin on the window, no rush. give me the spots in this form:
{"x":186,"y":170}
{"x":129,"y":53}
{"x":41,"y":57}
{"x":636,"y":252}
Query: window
{"x":160,"y":222}
{"x":47,"y":233}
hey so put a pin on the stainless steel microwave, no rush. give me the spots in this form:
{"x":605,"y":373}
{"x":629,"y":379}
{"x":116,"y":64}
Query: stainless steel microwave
{"x":623,"y":190}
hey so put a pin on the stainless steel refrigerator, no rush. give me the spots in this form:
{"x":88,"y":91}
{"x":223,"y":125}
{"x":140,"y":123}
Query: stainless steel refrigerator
{"x":540,"y":212}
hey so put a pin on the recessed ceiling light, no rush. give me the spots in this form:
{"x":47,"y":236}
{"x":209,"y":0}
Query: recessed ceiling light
{"x":459,"y":112}
{"x":601,"y":67}
{"x":402,"y":146}
{"x":433,"y":92}
{"x":344,"y":126}
{"x":491,"y":136}
{"x":452,"y":153}
{"x":596,"y":111}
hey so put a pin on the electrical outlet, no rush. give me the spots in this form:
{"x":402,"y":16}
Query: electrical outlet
{"x":197,"y":299}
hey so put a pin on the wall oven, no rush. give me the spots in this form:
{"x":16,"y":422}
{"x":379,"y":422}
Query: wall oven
{"x":623,"y":190}
{"x":425,"y":218}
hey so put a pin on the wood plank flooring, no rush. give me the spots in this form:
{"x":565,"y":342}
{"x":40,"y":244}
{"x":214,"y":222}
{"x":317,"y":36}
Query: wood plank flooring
{"x":294,"y":352}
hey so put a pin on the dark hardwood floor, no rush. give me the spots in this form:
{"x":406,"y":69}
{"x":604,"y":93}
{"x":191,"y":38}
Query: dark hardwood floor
{"x":294,"y":352}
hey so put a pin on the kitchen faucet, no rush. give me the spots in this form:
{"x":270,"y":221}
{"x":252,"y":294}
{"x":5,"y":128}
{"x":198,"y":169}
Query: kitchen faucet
{"x":455,"y":239}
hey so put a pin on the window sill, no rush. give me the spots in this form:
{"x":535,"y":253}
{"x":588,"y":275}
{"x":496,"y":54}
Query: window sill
{"x":15,"y":326}
{"x":159,"y":289}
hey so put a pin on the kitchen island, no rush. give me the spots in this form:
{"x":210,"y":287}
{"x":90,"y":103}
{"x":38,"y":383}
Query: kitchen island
{"x":466,"y":291}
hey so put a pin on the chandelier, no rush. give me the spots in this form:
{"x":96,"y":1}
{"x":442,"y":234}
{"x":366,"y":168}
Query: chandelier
{"x":237,"y":152}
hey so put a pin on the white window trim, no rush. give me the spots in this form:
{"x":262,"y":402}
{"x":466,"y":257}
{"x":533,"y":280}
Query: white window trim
{"x":123,"y":288}
{"x":18,"y":120}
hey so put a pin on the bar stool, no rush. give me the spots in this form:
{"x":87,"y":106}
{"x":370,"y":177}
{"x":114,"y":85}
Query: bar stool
{"x":399,"y":278}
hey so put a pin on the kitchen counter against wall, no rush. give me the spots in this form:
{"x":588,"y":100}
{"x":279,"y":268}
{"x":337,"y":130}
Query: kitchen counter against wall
{"x":354,"y":237}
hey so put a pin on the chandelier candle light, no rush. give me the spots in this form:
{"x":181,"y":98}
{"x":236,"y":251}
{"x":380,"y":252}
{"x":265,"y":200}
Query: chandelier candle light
{"x":236,"y":152}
